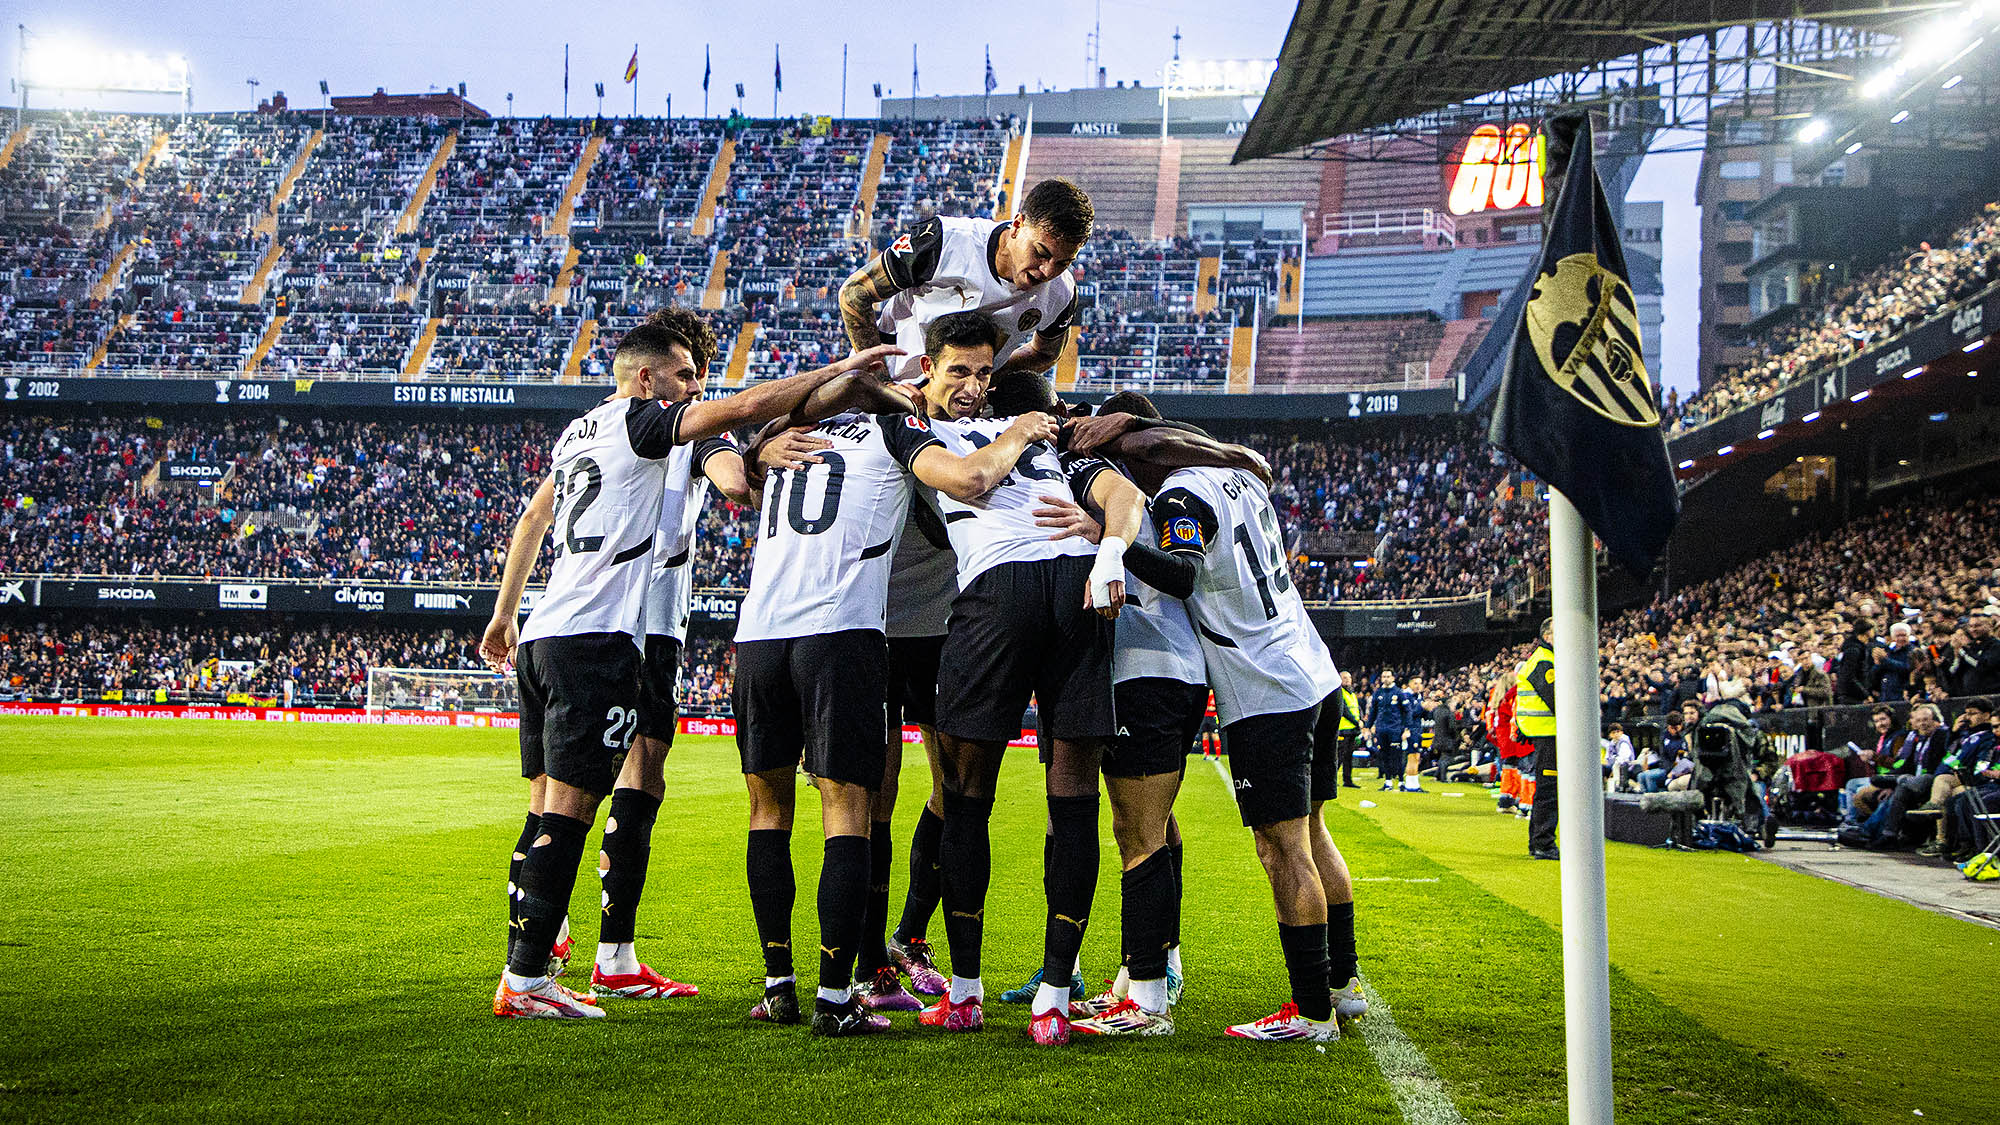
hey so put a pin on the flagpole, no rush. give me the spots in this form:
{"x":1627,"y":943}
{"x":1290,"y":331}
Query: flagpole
{"x":1580,"y":812}
{"x":1579,"y":783}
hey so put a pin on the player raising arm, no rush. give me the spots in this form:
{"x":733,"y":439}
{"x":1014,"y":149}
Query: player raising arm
{"x":1016,"y":273}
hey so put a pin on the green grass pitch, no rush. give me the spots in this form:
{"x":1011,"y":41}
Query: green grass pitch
{"x":236,"y":923}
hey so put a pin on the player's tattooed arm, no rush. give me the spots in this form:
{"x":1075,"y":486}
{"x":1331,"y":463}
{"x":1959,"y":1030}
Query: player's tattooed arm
{"x":497,"y":646}
{"x":863,"y":291}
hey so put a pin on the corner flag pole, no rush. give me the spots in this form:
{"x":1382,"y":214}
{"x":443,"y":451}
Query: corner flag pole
{"x":1580,"y":813}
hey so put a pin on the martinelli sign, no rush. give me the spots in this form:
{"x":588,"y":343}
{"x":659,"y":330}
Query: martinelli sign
{"x":1497,"y":171}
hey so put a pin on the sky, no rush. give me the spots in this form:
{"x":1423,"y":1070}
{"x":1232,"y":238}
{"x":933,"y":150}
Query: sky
{"x":510,"y":46}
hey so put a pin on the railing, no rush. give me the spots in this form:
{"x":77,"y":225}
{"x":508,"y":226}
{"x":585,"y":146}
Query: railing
{"x":1423,"y":221}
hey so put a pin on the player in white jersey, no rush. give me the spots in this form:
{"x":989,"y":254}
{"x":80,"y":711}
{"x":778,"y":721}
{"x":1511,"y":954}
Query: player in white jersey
{"x":1269,"y":670}
{"x":1033,"y":616}
{"x":626,"y":849}
{"x":1015,"y":272}
{"x":578,"y":655}
{"x":811,"y":675}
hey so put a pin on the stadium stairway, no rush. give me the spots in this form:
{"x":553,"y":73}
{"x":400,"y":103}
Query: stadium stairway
{"x":1451,"y":349}
{"x":559,"y":288}
{"x":420,"y":354}
{"x":264,"y":342}
{"x":1066,"y":366}
{"x":14,"y":140}
{"x":407,"y":222}
{"x":579,"y":350}
{"x":268,"y":222}
{"x":1242,"y":359}
{"x":1205,"y":288}
{"x":138,"y":176}
{"x":566,"y":210}
{"x":405,"y":294}
{"x":871,"y":181}
{"x":718,"y":178}
{"x":104,"y":345}
{"x":109,"y":281}
{"x":718,"y":276}
{"x":1010,"y":171}
{"x":253,"y":290}
{"x":1167,"y":189}
{"x":739,"y":355}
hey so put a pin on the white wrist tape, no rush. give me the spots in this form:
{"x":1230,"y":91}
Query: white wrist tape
{"x":1109,"y":568}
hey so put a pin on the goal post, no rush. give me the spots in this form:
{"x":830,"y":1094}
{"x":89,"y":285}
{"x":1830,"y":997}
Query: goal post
{"x":393,"y":690}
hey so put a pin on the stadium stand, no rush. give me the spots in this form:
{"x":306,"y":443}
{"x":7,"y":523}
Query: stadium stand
{"x":199,"y":338}
{"x":649,"y":174}
{"x":1878,"y":305}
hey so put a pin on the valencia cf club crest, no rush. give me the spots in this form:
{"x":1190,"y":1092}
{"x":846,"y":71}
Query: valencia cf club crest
{"x":1584,"y":325}
{"x":1029,"y":319}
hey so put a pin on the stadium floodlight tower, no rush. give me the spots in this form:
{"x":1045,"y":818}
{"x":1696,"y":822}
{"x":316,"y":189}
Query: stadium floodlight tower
{"x":60,"y":64}
{"x":1212,"y":78}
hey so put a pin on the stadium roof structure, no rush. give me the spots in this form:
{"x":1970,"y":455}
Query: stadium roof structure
{"x":1352,"y":66}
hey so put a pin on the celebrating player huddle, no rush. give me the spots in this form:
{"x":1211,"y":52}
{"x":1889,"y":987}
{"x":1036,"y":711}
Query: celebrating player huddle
{"x":905,"y":569}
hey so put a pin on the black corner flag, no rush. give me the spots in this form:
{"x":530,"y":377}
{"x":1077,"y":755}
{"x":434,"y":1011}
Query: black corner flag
{"x":1576,"y":405}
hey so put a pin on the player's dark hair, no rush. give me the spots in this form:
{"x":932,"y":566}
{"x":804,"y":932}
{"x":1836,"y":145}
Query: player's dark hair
{"x":1021,"y":392}
{"x":658,"y":333}
{"x":1130,"y":402}
{"x":960,"y":330}
{"x":1062,"y":209}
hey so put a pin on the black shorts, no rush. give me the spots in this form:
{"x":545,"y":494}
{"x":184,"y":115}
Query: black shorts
{"x":579,"y":707}
{"x":913,"y":677}
{"x":1271,"y":760}
{"x":1158,"y":721}
{"x":1327,"y":737}
{"x":659,"y":688}
{"x":1021,"y":629}
{"x":820,"y":696}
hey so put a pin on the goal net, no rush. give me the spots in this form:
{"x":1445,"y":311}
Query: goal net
{"x":402,"y":690}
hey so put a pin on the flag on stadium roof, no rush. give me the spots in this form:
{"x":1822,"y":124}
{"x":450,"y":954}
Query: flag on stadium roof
{"x":632,"y":68}
{"x":707,"y":68}
{"x":777,"y":70}
{"x":1576,"y":404}
{"x":991,"y":82}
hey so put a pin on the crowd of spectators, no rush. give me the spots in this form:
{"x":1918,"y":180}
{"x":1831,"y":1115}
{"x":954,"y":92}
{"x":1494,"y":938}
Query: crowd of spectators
{"x":74,"y":656}
{"x":1439,"y":513}
{"x":1872,"y":308}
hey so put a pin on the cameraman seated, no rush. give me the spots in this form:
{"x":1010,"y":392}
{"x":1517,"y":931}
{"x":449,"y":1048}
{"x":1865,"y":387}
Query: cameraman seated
{"x":1731,"y":750}
{"x":1919,"y":758}
{"x":1656,"y":765}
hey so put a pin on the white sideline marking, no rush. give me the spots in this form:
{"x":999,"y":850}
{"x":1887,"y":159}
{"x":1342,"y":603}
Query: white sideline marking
{"x":1419,"y":1092}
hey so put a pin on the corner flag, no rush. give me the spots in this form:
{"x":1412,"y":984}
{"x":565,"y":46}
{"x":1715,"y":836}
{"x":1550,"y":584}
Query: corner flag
{"x":632,"y":68}
{"x":1576,"y":405}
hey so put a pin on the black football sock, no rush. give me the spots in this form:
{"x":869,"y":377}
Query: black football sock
{"x":628,"y":844}
{"x":843,"y":895}
{"x":1305,"y":963}
{"x":1175,"y":853}
{"x":521,"y":847}
{"x":768,"y":863}
{"x":1147,"y":895}
{"x":922,"y":900}
{"x":548,"y":876}
{"x":1072,"y":883}
{"x":874,"y":953}
{"x":1346,"y":965}
{"x":965,"y":852}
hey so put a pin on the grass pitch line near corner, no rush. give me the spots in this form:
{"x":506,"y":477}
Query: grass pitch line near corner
{"x":1419,"y":1092}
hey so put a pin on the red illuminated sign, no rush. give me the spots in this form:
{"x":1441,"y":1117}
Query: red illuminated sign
{"x":1500,"y":171}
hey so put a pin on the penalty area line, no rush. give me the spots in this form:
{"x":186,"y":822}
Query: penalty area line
{"x":1419,"y":1092}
